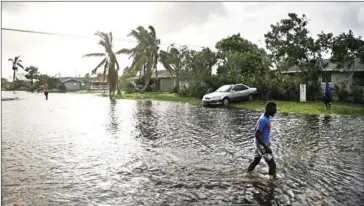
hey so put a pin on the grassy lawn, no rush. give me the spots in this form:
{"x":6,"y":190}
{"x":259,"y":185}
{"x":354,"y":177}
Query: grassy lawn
{"x":312,"y":108}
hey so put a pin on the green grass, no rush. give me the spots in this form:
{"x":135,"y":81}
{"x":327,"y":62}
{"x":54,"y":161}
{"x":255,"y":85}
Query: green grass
{"x":311,"y":108}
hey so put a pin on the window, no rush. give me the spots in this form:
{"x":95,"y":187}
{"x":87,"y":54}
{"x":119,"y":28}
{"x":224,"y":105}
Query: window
{"x":326,"y":76}
{"x":238,"y":88}
{"x":243,"y":87}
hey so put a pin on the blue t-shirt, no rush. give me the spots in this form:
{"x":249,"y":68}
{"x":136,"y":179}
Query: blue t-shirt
{"x":264,"y":126}
{"x":327,"y":91}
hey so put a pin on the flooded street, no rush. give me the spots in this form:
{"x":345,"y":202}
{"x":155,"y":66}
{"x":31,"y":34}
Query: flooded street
{"x":86,"y":150}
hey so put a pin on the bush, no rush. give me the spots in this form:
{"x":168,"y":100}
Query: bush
{"x":357,"y":94}
{"x":341,"y":91}
{"x":268,"y":88}
{"x":63,"y":88}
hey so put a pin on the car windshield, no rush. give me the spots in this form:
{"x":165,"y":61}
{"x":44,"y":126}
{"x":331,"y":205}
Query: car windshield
{"x":225,"y":88}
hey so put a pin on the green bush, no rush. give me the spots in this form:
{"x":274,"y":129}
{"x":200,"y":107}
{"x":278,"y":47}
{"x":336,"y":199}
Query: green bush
{"x":62,"y":87}
{"x":268,"y":88}
{"x":357,"y":94}
{"x":341,"y":91}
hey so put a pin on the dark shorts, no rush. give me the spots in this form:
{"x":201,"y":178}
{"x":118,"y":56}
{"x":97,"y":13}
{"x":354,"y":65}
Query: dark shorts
{"x":327,"y":100}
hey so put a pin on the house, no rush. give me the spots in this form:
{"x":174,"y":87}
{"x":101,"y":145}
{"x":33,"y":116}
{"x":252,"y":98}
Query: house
{"x":96,"y":85}
{"x":71,"y":83}
{"x":335,"y":76}
{"x":166,"y":82}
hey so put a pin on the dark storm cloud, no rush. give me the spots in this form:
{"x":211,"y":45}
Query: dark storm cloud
{"x":174,"y":16}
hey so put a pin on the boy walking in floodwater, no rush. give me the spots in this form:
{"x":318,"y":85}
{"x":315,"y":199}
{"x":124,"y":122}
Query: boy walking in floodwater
{"x":327,"y":96}
{"x":262,"y":140}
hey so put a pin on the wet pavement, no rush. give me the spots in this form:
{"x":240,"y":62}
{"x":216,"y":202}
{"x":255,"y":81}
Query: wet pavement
{"x":80,"y":149}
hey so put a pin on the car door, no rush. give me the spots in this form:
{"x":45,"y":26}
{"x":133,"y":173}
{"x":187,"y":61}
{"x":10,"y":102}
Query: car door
{"x":234,"y":94}
{"x":244,"y":92}
{"x":237,"y":93}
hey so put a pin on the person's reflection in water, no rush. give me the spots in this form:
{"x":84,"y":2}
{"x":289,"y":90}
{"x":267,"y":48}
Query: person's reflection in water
{"x":326,"y":121}
{"x":266,"y":195}
{"x":113,"y":126}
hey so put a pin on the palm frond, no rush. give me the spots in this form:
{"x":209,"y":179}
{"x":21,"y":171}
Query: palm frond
{"x":101,"y":63}
{"x":11,"y":60}
{"x":152,"y":31}
{"x":94,"y":55}
{"x":124,"y":51}
{"x":111,"y":38}
{"x":21,"y":66}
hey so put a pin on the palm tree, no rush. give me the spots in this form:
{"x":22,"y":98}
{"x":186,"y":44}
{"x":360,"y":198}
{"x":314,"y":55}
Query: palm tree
{"x":16,"y":63}
{"x":110,"y":63}
{"x":146,"y":54}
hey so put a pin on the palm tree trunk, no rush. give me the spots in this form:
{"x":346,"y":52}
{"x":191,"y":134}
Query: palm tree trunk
{"x":146,"y":83}
{"x":14,"y":79}
{"x":118,"y":89}
{"x":156,"y":79}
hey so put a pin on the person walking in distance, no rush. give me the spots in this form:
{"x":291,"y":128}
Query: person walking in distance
{"x":262,"y":140}
{"x":327,"y":96}
{"x":45,"y":91}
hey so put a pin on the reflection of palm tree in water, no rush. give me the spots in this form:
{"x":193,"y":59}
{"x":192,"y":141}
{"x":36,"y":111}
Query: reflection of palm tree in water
{"x":113,"y":126}
{"x":146,"y":120}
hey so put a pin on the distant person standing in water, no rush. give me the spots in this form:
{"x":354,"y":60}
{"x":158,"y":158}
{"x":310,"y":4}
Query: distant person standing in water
{"x":327,"y":96}
{"x":262,"y":140}
{"x":45,"y":91}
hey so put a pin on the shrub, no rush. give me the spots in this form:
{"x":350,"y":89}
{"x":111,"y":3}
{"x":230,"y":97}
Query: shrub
{"x":63,"y":88}
{"x":357,"y":94}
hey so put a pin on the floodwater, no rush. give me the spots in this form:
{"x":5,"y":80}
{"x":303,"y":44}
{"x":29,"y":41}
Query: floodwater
{"x":79,"y":149}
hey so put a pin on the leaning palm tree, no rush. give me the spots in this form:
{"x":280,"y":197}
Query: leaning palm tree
{"x":16,"y":63}
{"x":110,"y":63}
{"x":146,"y":54}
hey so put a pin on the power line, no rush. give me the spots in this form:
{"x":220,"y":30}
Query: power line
{"x":89,"y":37}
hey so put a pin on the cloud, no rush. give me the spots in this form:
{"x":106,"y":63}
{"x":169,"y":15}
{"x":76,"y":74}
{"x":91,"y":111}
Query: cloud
{"x":175,"y":16}
{"x":194,"y":24}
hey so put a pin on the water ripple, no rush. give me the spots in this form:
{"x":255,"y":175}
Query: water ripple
{"x":86,"y":150}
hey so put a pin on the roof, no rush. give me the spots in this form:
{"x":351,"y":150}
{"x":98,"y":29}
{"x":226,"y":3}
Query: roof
{"x":75,"y":80}
{"x":164,"y":74}
{"x":62,"y":79}
{"x":359,"y":67}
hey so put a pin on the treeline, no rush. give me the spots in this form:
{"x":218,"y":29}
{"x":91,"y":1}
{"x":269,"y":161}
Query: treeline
{"x":34,"y":79}
{"x":238,"y":60}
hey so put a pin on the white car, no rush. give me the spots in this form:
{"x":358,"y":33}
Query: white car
{"x":230,"y":93}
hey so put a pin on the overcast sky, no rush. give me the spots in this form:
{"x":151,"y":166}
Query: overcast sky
{"x":194,"y":24}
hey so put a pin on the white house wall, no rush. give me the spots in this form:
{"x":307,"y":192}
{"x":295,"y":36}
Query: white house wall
{"x":70,"y":85}
{"x":166,"y":84}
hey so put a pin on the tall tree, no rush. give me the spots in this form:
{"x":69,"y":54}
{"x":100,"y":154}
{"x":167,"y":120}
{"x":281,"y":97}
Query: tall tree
{"x":348,"y":51}
{"x":289,"y":41}
{"x":146,"y":54}
{"x":110,"y":63}
{"x":16,"y":63}
{"x":32,"y":73}
{"x":240,"y":57}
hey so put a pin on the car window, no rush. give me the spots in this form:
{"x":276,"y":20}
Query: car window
{"x":225,"y":88}
{"x":243,"y":87}
{"x":238,"y":88}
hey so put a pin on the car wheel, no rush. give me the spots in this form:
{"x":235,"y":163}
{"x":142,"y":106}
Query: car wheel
{"x":226,"y":101}
{"x":250,"y":98}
